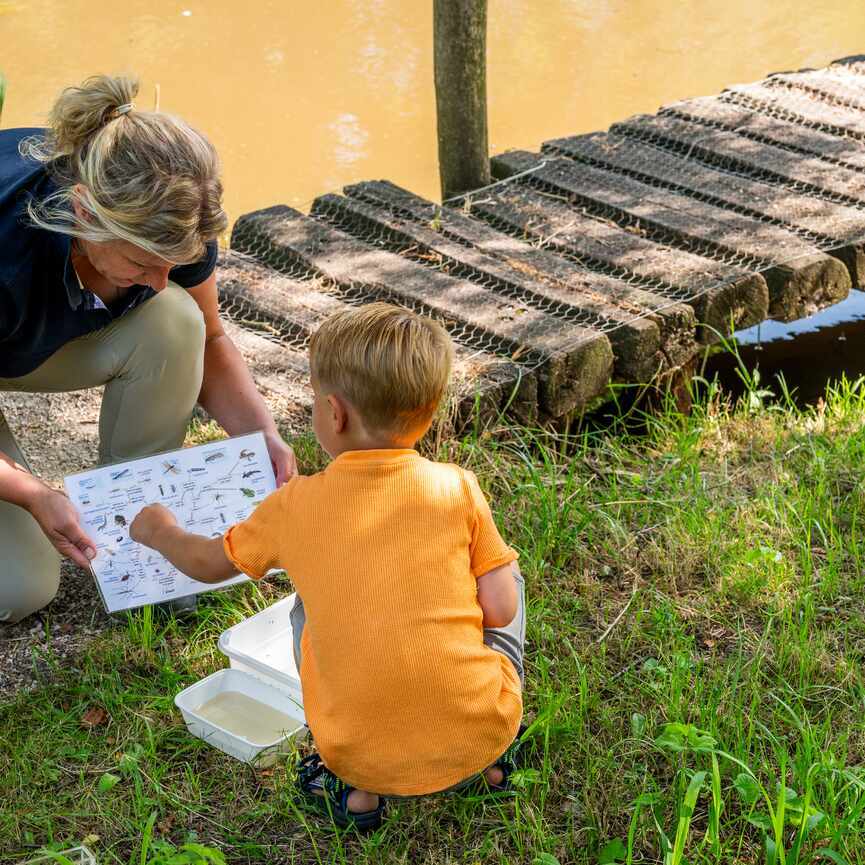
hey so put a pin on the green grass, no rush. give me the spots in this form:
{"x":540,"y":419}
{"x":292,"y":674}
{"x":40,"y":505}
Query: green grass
{"x":695,"y":646}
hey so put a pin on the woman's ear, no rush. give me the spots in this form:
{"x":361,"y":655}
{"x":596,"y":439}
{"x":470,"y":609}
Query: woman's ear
{"x":338,"y":412}
{"x":79,"y":209}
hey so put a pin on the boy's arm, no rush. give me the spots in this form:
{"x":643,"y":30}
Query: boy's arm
{"x":491,"y":562}
{"x":198,"y":557}
{"x":497,"y":595}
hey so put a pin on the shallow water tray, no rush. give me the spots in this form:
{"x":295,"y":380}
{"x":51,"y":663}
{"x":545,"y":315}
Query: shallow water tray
{"x":262,"y":645}
{"x":284,"y":699}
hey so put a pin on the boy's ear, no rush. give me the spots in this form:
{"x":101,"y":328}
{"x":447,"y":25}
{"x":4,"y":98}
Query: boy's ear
{"x":338,"y":412}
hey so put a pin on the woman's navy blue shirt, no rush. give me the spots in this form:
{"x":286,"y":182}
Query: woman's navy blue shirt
{"x":42,"y":306}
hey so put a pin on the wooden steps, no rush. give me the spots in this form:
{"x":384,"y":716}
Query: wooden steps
{"x":815,"y":220}
{"x":573,"y":364}
{"x":800,"y":277}
{"x":290,"y":310}
{"x":646,"y":339}
{"x":609,"y":257}
{"x":769,"y":129}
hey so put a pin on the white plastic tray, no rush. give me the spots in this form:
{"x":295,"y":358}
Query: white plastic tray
{"x":262,"y":645}
{"x":283,"y":699}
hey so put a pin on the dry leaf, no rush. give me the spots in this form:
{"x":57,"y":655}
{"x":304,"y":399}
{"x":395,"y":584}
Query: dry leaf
{"x":95,"y":716}
{"x":165,"y":826}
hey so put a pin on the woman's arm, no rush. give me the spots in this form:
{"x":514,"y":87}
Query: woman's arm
{"x":228,"y":392}
{"x":198,"y":557}
{"x":54,"y":512}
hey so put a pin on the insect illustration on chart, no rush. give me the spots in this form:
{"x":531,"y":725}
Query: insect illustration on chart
{"x":120,"y":520}
{"x":218,"y":455}
{"x":247,"y":455}
{"x":116,"y":476}
{"x":170,"y":467}
{"x":251,"y":473}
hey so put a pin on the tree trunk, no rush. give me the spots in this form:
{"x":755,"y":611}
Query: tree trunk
{"x":460,"y":35}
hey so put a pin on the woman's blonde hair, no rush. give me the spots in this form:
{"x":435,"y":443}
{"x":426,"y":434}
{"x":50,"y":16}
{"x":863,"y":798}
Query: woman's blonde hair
{"x":141,"y":176}
{"x":392,"y":365}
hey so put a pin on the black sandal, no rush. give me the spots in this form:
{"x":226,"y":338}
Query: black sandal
{"x":509,"y":763}
{"x":313,"y":775}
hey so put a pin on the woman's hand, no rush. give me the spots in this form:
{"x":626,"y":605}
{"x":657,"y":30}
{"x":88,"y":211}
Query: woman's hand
{"x":58,"y":519}
{"x":282,"y":457}
{"x":150,"y":521}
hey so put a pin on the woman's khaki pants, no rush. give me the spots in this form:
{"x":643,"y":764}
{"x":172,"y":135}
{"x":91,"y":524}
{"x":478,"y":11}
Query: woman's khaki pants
{"x":151,"y":362}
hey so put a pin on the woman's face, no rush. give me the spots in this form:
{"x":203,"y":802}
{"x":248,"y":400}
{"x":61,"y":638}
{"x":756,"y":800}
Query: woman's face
{"x":120,"y":262}
{"x":124,"y":264}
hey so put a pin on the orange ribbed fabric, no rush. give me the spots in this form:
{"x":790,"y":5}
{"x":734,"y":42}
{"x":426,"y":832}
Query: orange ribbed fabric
{"x":384,"y":546}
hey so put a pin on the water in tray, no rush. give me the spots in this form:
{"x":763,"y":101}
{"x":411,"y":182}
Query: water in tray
{"x":244,"y":716}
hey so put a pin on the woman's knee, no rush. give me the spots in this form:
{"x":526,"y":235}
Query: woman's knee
{"x":167,"y":331}
{"x":174,"y":326}
{"x":30,"y":574}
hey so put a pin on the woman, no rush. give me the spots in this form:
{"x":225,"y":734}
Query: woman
{"x":108,"y":228}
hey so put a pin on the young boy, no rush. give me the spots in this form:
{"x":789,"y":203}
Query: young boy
{"x":411,"y":630}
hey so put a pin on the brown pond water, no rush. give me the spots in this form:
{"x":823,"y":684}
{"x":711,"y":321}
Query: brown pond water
{"x":302,"y":98}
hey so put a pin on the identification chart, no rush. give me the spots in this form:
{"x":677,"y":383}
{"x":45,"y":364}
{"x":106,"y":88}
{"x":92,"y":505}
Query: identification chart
{"x":208,"y":488}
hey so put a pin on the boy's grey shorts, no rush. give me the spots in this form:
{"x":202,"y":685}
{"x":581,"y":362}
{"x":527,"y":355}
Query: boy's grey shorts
{"x":509,"y":641}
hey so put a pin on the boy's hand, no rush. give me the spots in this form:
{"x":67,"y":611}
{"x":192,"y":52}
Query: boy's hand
{"x":149,"y":523}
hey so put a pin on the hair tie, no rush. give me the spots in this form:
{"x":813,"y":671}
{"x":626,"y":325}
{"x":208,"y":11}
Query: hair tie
{"x":121,"y":110}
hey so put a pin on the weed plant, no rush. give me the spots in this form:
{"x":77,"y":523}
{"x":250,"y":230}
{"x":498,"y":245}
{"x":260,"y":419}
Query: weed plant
{"x":696,"y":631}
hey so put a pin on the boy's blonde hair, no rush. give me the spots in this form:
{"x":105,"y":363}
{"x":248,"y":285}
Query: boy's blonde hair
{"x":391,"y":364}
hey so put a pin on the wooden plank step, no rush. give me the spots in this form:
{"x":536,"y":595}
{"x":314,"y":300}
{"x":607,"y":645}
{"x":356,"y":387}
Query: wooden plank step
{"x":280,"y":373}
{"x":821,"y":221}
{"x":853,"y":63}
{"x":766,"y":161}
{"x":296,"y":307}
{"x":822,"y":85}
{"x":482,"y":383}
{"x":574,"y":364}
{"x":799,"y":107}
{"x":723,"y":296}
{"x":635,"y":334}
{"x":798,"y":275}
{"x":715,"y":111}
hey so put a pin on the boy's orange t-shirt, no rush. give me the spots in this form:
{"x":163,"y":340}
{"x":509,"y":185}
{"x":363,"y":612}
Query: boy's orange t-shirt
{"x":385,"y":547}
